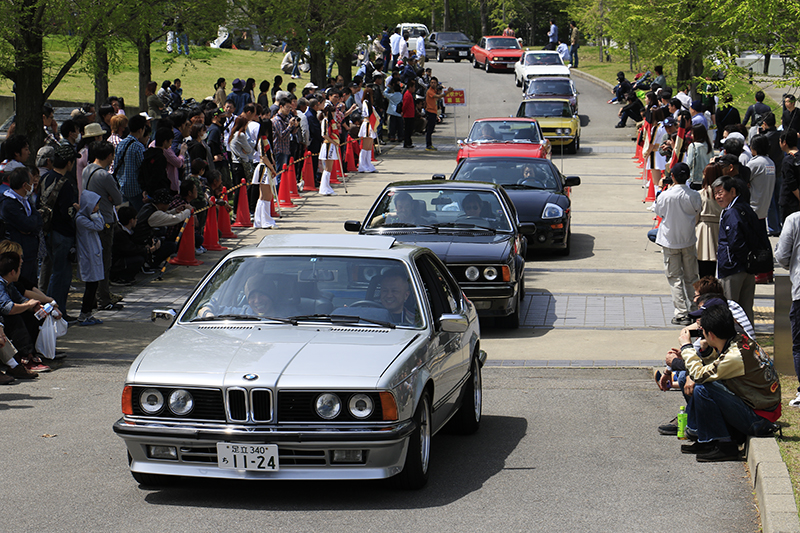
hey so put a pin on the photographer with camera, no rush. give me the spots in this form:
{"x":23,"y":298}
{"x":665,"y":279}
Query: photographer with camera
{"x":284,"y":124}
{"x":678,"y":206}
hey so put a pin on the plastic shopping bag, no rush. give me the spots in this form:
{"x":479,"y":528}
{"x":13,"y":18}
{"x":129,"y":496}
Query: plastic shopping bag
{"x":48,"y":332}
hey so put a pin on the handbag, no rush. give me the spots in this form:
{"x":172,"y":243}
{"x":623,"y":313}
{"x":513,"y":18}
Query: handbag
{"x":759,"y":254}
{"x":399,"y":109}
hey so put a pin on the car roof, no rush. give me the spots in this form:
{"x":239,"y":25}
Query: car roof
{"x":505,"y":119}
{"x":539,"y":99}
{"x":447,"y":184}
{"x":321,"y":240}
{"x":498,"y":36}
{"x":552,"y":78}
{"x":550,"y":52}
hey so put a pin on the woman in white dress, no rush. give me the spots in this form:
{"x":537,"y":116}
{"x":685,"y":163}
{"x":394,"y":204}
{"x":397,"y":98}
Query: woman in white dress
{"x":329,"y":153}
{"x":263,"y":177}
{"x":367,"y":134}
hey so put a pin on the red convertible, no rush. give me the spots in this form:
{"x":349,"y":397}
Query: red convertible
{"x":496,"y":52}
{"x":509,"y":137}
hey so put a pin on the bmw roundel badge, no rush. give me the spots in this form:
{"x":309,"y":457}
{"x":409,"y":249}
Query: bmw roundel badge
{"x":251,"y":377}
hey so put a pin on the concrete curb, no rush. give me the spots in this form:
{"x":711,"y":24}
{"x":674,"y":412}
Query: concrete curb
{"x":772,"y":485}
{"x":593,"y":79}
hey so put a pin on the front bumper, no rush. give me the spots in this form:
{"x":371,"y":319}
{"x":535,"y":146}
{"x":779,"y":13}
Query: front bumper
{"x":494,"y":300}
{"x":550,"y":234}
{"x":501,"y":64}
{"x":304,"y":452}
{"x":558,"y":140}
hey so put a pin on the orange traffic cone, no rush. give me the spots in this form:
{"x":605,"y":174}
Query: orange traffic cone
{"x":186,"y":248}
{"x":211,"y":235}
{"x":291,"y":175}
{"x":224,"y":221}
{"x":308,"y":174}
{"x":242,"y":210}
{"x":642,"y":176}
{"x":337,"y":172}
{"x":349,"y":159}
{"x":658,"y":222}
{"x":284,"y":197}
{"x":651,"y":189}
{"x":273,"y":211}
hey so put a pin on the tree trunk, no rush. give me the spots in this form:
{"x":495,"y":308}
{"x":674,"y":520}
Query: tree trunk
{"x":318,"y":65}
{"x":28,"y":78}
{"x":143,"y":45}
{"x":345,"y":64}
{"x":689,"y":68}
{"x":484,"y":18}
{"x":446,"y":16}
{"x":101,"y":75}
{"x":767,"y":57}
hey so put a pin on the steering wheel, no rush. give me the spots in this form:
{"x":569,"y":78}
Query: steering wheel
{"x":531,"y":182}
{"x":366,"y":303}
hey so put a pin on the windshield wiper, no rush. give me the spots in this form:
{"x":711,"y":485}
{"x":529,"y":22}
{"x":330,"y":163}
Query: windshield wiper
{"x":343,"y":319}
{"x":524,"y":186}
{"x":243,"y":317}
{"x":464,"y":225}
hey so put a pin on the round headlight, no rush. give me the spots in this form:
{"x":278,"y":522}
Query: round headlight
{"x":472,"y":273}
{"x":360,"y":405}
{"x":490,"y":273}
{"x":328,"y":405}
{"x":552,"y":211}
{"x":181,"y":402}
{"x":152,"y":401}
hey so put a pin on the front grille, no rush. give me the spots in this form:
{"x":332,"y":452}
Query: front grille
{"x":262,"y":405}
{"x":299,"y":407}
{"x":237,"y":405}
{"x":286,"y":456}
{"x":208,"y":404}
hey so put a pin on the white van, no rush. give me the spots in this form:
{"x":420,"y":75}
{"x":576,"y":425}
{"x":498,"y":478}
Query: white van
{"x":415,"y":31}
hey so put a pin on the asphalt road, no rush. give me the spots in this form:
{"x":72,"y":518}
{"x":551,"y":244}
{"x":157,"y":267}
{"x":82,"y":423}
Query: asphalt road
{"x":559,"y":449}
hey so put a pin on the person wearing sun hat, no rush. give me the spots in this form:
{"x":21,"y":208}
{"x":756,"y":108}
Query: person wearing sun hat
{"x":91,"y":132}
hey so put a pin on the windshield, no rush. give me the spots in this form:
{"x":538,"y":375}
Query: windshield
{"x":501,"y":42}
{"x":504,"y":131}
{"x":545,"y":109}
{"x":440,"y":209}
{"x":538,"y":58}
{"x":291,"y":287}
{"x":415,"y":31}
{"x":448,"y":36}
{"x":520,"y":171}
{"x":545,"y":86}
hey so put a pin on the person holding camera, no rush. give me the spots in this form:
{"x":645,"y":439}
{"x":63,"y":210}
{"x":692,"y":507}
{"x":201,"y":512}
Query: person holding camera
{"x":678,"y":206}
{"x":284,"y":124}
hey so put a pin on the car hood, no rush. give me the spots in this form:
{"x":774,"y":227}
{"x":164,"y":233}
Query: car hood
{"x":530,"y":203}
{"x":463,"y":248}
{"x":546,"y":70}
{"x":280,"y":355}
{"x":555,"y":122}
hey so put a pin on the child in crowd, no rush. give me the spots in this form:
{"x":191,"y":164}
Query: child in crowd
{"x":88,"y":224}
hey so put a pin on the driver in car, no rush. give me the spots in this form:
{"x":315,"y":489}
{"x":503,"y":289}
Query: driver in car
{"x":487,"y":133}
{"x":534,"y":177}
{"x":258,"y":291}
{"x":472,"y":206}
{"x":395,"y":291}
{"x":404,"y":214}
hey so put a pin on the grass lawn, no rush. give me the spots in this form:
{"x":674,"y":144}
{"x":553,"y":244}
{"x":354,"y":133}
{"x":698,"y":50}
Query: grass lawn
{"x":198,"y":72}
{"x":790,"y":443}
{"x":743,"y":92}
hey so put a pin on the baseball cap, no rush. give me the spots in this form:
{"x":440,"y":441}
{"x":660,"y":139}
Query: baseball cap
{"x":680,"y":169}
{"x":44,"y":153}
{"x":708,"y":303}
{"x":310,"y":85}
{"x":670,"y":121}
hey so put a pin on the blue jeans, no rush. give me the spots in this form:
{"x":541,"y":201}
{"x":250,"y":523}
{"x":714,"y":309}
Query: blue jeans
{"x":573,"y":55}
{"x":62,"y":268}
{"x":295,"y":64}
{"x":183,"y":40}
{"x":716,"y":413}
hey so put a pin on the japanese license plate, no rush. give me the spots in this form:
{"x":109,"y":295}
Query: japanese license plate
{"x":257,"y":457}
{"x":463,"y":53}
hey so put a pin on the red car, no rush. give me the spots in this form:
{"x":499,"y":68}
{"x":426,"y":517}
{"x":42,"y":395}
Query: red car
{"x":496,"y":52}
{"x":504,"y":137}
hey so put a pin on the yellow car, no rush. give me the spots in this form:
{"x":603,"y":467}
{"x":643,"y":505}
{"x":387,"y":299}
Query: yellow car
{"x":559,"y":125}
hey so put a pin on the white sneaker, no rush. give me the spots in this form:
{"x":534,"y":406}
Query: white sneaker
{"x":796,"y":401}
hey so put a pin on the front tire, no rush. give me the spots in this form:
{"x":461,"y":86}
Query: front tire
{"x":574,"y":146}
{"x":439,"y":57}
{"x":152,"y":480}
{"x":486,"y":66}
{"x":468,"y":418}
{"x":475,"y":63}
{"x":565,"y":251}
{"x":415,"y":468}
{"x":512,"y":321}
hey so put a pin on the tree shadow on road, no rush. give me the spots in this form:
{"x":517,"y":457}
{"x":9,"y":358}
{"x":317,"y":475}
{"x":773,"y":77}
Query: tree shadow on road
{"x":460,"y":465}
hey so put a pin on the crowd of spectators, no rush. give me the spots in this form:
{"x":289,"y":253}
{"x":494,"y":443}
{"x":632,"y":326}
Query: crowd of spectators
{"x":724,"y":185}
{"x":109,"y":191}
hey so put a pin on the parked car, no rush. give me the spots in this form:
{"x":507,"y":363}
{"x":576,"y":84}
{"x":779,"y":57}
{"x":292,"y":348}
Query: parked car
{"x":537,"y":63}
{"x":308,"y":357}
{"x":560,"y":124}
{"x":449,"y":45}
{"x":553,"y":87}
{"x":496,"y":52}
{"x":541,"y":194}
{"x":415,"y":31}
{"x":497,"y":136}
{"x":472,"y":227}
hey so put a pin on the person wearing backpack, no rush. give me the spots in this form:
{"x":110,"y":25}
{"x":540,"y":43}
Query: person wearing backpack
{"x":128,"y":160}
{"x":22,"y":220}
{"x":60,"y":194}
{"x":153,"y":170}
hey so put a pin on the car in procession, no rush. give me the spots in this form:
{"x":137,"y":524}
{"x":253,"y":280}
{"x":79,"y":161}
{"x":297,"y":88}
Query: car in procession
{"x":449,"y":45}
{"x":497,"y":136}
{"x":494,"y":52}
{"x":560,"y":124}
{"x":307,"y":357}
{"x":552,"y":87}
{"x":472,"y":227}
{"x":535,"y":64}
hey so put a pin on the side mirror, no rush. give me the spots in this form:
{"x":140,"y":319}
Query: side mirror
{"x":439,"y":177}
{"x":166,"y":315}
{"x":352,"y":225}
{"x":453,"y":323}
{"x":572,"y":181}
{"x":461,"y":142}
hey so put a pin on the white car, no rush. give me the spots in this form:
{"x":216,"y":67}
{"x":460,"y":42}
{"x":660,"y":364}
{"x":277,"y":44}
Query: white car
{"x":415,"y":31}
{"x":538,"y":63}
